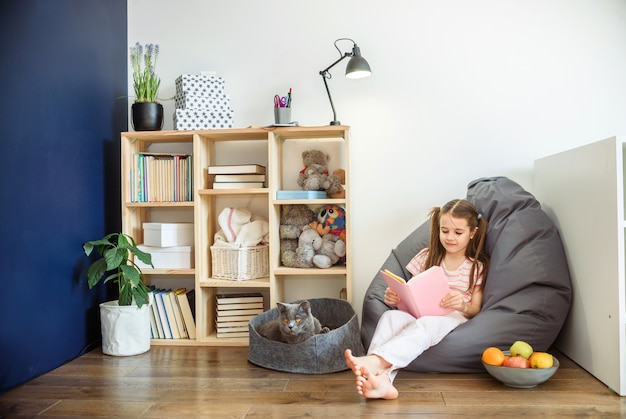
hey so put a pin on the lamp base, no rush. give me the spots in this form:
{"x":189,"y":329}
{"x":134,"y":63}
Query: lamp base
{"x":335,"y":123}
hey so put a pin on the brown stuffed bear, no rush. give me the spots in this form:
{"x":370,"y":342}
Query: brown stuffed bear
{"x":314,"y":176}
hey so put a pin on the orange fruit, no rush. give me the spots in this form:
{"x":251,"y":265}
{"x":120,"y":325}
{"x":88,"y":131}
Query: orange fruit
{"x":493,"y":356}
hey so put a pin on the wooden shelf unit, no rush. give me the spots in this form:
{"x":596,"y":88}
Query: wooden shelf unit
{"x":279,"y":149}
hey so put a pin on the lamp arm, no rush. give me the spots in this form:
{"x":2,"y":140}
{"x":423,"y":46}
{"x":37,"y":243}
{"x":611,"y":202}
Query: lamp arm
{"x":326,"y":75}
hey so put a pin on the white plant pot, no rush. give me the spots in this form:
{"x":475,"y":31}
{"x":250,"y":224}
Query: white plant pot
{"x":125,"y":329}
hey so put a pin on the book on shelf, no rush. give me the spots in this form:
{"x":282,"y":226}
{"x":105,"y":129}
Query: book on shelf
{"x":155,"y":321}
{"x":239,"y":298}
{"x":238,"y":185}
{"x":421,"y":295}
{"x":234,"y":312}
{"x":233,"y":169}
{"x":233,"y":334}
{"x":239,"y":306}
{"x":237,"y":318}
{"x":239,"y":178}
{"x":158,"y":297}
{"x":171,"y":314}
{"x":161,"y":177}
{"x":239,"y":312}
{"x":178,"y":312}
{"x":187,"y":303}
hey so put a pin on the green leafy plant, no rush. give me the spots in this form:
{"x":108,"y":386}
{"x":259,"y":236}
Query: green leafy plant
{"x":145,"y":81}
{"x":116,"y":264}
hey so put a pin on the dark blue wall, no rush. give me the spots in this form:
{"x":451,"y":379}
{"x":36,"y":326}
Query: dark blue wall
{"x":63,"y":67}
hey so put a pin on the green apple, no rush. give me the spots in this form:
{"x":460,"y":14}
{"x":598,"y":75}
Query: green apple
{"x":521,"y":348}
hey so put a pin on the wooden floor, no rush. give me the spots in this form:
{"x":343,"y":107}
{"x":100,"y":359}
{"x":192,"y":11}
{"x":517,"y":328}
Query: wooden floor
{"x":187,"y":382}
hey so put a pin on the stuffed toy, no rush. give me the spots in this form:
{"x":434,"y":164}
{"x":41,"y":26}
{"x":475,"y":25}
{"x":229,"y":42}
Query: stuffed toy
{"x":330,"y":219}
{"x":317,"y":251}
{"x":332,"y":251}
{"x":309,"y":243}
{"x":341,"y":192}
{"x":293,"y":218}
{"x":314,"y":176}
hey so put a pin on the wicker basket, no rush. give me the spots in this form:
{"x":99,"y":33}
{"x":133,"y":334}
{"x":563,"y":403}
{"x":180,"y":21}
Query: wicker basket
{"x":240,"y":264}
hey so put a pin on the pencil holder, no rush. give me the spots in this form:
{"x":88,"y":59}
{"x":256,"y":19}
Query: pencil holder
{"x":282,"y":115}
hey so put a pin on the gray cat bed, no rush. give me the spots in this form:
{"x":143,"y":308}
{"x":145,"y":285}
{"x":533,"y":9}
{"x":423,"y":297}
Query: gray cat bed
{"x":319,"y":354}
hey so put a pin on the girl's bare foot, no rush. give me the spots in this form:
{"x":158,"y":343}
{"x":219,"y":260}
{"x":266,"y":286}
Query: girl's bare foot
{"x":374,"y":363}
{"x":375,"y":386}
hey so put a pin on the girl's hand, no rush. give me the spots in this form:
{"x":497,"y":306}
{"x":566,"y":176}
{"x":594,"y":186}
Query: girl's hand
{"x":391,"y":297}
{"x":455,"y":301}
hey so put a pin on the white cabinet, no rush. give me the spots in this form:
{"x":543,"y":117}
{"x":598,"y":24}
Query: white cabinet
{"x":582,"y":190}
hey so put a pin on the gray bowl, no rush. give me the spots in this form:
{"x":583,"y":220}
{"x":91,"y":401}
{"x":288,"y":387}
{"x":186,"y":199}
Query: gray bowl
{"x":522,"y":377}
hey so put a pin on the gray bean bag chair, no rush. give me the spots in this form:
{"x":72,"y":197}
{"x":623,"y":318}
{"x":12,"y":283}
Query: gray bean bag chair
{"x":527,"y":294}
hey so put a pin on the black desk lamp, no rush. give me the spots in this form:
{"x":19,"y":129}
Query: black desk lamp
{"x":357,"y":68}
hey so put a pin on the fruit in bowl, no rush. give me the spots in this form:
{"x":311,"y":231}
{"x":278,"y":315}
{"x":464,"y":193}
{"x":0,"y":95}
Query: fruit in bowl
{"x":519,"y":371}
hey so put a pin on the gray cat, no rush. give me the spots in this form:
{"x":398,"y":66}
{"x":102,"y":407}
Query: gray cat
{"x":294,"y":324}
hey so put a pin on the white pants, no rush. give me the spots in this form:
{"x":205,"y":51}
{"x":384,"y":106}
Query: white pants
{"x":399,"y":338}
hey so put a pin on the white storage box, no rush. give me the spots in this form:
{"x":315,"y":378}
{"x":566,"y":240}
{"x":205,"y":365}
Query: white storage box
{"x":199,"y":85}
{"x":211,"y":102}
{"x":190,"y":119}
{"x":168,"y":234}
{"x":176,"y":257}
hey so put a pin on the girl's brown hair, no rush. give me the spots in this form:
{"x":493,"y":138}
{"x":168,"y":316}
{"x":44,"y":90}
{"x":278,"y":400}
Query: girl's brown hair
{"x":459,"y":208}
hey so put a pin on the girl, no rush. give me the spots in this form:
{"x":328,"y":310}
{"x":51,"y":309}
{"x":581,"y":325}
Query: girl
{"x":456,"y":244}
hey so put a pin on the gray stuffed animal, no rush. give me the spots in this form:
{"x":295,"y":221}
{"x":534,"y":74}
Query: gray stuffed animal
{"x":314,"y":176}
{"x":293,"y":218}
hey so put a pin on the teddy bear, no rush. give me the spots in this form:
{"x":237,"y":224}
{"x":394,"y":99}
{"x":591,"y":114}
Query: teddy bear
{"x":332,"y":251}
{"x":314,"y":176}
{"x":309,"y":243}
{"x":317,"y":251}
{"x":341,"y":192}
{"x":293,"y":218}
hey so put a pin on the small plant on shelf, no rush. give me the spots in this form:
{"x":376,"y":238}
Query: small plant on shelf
{"x":145,"y":81}
{"x":117,"y":265}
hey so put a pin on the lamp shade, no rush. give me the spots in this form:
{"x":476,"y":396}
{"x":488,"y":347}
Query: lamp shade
{"x":357,"y":68}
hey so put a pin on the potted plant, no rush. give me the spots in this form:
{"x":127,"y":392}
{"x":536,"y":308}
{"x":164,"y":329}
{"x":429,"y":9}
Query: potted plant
{"x":147,"y":113}
{"x":125,"y":323}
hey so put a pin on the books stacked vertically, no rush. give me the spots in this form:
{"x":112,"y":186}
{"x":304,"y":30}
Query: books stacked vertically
{"x":201,"y":103}
{"x":234,"y":312}
{"x":238,"y":176}
{"x":172,"y":314}
{"x":161,"y":177}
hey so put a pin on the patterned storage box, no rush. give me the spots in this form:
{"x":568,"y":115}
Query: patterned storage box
{"x":199,"y":85}
{"x":240,"y":264}
{"x":192,"y":119}
{"x":212,"y":102}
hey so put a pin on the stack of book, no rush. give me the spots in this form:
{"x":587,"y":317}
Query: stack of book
{"x":160,"y":177}
{"x":172,"y":314}
{"x":234,"y":312}
{"x":241,"y":176}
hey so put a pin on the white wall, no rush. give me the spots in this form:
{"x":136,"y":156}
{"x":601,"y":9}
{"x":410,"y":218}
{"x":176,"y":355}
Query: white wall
{"x":459,"y":90}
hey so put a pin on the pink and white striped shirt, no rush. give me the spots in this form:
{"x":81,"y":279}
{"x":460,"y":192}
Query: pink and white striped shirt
{"x":457,"y":279}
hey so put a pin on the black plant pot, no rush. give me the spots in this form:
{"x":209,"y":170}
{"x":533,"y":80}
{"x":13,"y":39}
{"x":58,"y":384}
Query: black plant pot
{"x":147,"y":116}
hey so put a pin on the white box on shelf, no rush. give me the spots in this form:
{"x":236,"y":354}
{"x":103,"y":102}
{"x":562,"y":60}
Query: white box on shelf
{"x":167,"y":234}
{"x":199,"y":85}
{"x":220,"y":102}
{"x":199,"y":119}
{"x":175,"y":257}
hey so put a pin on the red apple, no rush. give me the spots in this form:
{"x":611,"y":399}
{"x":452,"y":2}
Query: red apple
{"x":516,"y":362}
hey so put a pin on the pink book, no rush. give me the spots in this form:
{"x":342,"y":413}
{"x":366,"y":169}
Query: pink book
{"x":421,"y":295}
